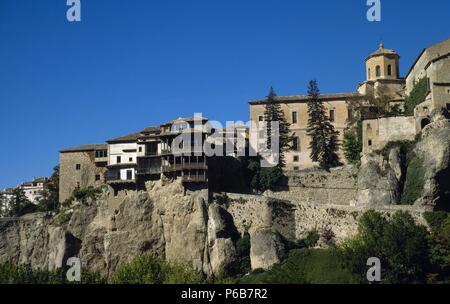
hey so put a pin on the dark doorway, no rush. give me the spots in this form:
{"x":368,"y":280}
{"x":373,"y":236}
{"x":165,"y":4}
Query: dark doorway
{"x":425,"y":122}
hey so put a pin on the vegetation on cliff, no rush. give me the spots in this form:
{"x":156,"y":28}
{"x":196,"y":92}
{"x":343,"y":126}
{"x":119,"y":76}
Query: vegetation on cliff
{"x":417,"y":96}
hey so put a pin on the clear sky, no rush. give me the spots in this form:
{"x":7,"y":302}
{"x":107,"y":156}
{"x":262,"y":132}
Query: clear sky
{"x":133,"y":63}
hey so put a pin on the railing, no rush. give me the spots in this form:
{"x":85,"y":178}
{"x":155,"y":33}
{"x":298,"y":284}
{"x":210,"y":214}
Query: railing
{"x":185,"y":166}
{"x":154,"y":170}
{"x":193,"y":178}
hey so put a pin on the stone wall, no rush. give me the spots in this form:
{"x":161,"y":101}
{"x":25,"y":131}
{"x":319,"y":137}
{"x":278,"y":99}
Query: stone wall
{"x":337,"y":187}
{"x":70,"y":177}
{"x":378,"y":132}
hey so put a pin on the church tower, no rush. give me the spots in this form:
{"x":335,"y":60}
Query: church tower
{"x":382,"y":64}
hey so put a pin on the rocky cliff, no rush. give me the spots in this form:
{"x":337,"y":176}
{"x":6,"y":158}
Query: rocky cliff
{"x":181,"y":225}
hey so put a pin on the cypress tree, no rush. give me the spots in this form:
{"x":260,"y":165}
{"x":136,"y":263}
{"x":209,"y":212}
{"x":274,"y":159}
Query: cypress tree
{"x":272,"y":113}
{"x":324,"y":142}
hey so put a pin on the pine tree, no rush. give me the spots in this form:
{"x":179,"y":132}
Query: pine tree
{"x":273,"y":113}
{"x":324,"y":142}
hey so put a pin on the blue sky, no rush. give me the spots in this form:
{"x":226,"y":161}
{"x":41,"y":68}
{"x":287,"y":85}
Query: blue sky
{"x":131,"y":64}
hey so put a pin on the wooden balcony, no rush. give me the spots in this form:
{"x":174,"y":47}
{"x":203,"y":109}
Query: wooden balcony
{"x":148,"y":171}
{"x":185,"y":166}
{"x":194,"y":178}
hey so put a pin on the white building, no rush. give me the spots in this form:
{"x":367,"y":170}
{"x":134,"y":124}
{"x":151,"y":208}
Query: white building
{"x":122,"y":159}
{"x":33,"y":190}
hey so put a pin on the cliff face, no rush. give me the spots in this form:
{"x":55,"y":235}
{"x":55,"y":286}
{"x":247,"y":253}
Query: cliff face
{"x":179,"y":225}
{"x":165,"y":220}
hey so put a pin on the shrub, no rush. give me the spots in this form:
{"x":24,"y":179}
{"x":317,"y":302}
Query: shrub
{"x":84,"y":194}
{"x":148,"y":269}
{"x":435,"y":219}
{"x":311,"y":239}
{"x":305,"y":266}
{"x":417,"y":96}
{"x":243,"y":253}
{"x":415,"y":181}
{"x":400,"y":244}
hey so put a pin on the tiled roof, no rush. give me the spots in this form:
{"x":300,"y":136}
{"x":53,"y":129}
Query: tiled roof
{"x":126,"y":138}
{"x":153,"y":129}
{"x":382,"y":51}
{"x":82,"y":148}
{"x":305,"y":98}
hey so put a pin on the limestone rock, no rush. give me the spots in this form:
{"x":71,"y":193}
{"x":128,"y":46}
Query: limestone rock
{"x":266,"y":249}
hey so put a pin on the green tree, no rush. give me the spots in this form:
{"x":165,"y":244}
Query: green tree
{"x":49,"y":200}
{"x":352,"y":147}
{"x":264,"y":178}
{"x":440,"y":246}
{"x":399,"y":243}
{"x":274,"y":113}
{"x":19,"y":203}
{"x":324,"y":142}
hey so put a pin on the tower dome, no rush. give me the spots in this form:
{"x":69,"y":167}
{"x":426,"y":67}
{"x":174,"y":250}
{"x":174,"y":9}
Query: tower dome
{"x":383,"y":64}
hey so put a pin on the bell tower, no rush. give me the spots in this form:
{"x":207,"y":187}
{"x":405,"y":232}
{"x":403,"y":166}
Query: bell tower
{"x":382,"y":64}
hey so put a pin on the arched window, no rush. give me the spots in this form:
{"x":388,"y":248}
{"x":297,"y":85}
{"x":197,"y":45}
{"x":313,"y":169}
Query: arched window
{"x":368,"y":74}
{"x":389,"y":70}
{"x":378,"y":71}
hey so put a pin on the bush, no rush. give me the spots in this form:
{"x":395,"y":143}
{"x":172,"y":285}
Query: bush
{"x":266,"y":178}
{"x":24,"y":274}
{"x":440,"y":246}
{"x":84,"y":194}
{"x":243,"y":253}
{"x":435,"y":219}
{"x":417,"y":96}
{"x":222,"y":200}
{"x":305,"y":266}
{"x":415,"y":181}
{"x":311,"y":239}
{"x":148,"y":269}
{"x":400,"y":244}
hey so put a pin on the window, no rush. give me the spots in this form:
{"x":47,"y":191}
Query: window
{"x":296,"y":168}
{"x":448,"y":107}
{"x":101,"y":153}
{"x":378,"y":71}
{"x":332,"y":115}
{"x":296,"y":158}
{"x":78,"y":167}
{"x":130,"y":159}
{"x":129,"y":174}
{"x":369,"y":127}
{"x":295,"y":144}
{"x":260,"y":118}
{"x":294,"y":117}
{"x":97,"y":177}
{"x":368,"y":74}
{"x":119,"y":159}
{"x":370,"y":142}
{"x":390,"y":70}
{"x":140,"y":149}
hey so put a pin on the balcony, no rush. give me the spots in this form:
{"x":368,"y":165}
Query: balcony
{"x":194,"y":178}
{"x":185,"y":166}
{"x":148,"y":171}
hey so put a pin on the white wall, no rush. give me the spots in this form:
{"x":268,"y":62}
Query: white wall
{"x":118,"y":150}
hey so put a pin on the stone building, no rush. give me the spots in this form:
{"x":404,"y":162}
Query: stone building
{"x":82,"y":167}
{"x":432,"y":64}
{"x":295,"y":109}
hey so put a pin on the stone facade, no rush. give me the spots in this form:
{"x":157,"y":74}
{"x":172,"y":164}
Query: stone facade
{"x":79,"y":167}
{"x":295,"y":109}
{"x":378,"y":132}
